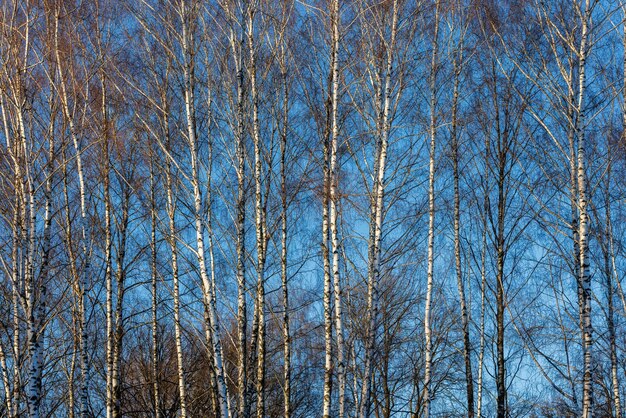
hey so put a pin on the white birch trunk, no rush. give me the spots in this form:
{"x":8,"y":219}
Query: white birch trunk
{"x":74,"y":284}
{"x":283,"y":254}
{"x":583,"y":257}
{"x":431,"y":217}
{"x":467,"y":350}
{"x":383,"y":102}
{"x":120,"y":279}
{"x":214,"y":394}
{"x":154,"y":289}
{"x":610,"y":294}
{"x":12,"y":400}
{"x":209,"y":299}
{"x":82,"y":285}
{"x":483,"y":288}
{"x":328,"y":333}
{"x":5,"y":382}
{"x":483,"y":281}
{"x":33,"y":395}
{"x":108,"y":272}
{"x":258,"y":328}
{"x":242,"y":327}
{"x":329,"y":212}
{"x":171,"y":213}
{"x":334,"y":200}
{"x":37,"y":335}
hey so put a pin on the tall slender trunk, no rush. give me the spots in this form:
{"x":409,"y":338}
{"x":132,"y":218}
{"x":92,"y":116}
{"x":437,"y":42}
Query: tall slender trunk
{"x":74,"y":284}
{"x":328,"y":330}
{"x":333,"y":215}
{"x":240,"y":224}
{"x":383,"y":123}
{"x":583,"y":257}
{"x":15,"y":301}
{"x":483,"y":277}
{"x":467,"y":349}
{"x":23,"y":230}
{"x":22,"y":298}
{"x":501,"y":150}
{"x":329,"y":217}
{"x":33,"y":390}
{"x":431,"y":215}
{"x":500,"y":364}
{"x":258,"y":327}
{"x":207,"y":287}
{"x":172,"y":239}
{"x":108,"y":272}
{"x":574,"y":213}
{"x":610,"y":309}
{"x":37,"y":335}
{"x":82,"y":283}
{"x":10,"y":394}
{"x":483,"y":288}
{"x":283,"y":251}
{"x":120,"y":283}
{"x":209,"y":227}
{"x":154,"y":290}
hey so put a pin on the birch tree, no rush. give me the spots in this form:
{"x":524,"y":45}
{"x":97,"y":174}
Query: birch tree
{"x":186,"y":14}
{"x":383,"y":73}
{"x":82,"y":282}
{"x":458,"y":63}
{"x":329,"y":217}
{"x":431,"y":211}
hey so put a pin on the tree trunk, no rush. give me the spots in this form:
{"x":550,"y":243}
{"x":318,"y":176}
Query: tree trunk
{"x":258,"y":328}
{"x":431,"y":216}
{"x":328,"y":215}
{"x":583,"y":257}
{"x":242,"y":316}
{"x":171,"y":212}
{"x":207,"y":287}
{"x":154,"y":289}
{"x":82,"y":283}
{"x":467,"y":349}
{"x":377,"y":209}
{"x":283,"y":252}
{"x":333,"y":201}
{"x":502,"y":156}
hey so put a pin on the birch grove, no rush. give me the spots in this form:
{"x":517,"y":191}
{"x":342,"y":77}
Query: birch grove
{"x":240,"y":208}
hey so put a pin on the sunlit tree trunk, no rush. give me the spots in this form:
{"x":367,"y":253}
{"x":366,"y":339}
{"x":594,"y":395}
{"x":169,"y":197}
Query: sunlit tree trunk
{"x":610,"y":287}
{"x":74,"y":284}
{"x":207,"y":287}
{"x":283,"y":242}
{"x":329,"y":214}
{"x":467,"y":349}
{"x":154,"y":289}
{"x":483,"y":277}
{"x":9,"y":394}
{"x":501,"y":150}
{"x":120,"y":291}
{"x":108,"y":258}
{"x":333,"y":202}
{"x":81,"y":287}
{"x":431,"y":215}
{"x":172,"y":239}
{"x":383,"y":100}
{"x":237,"y":46}
{"x":583,"y":257}
{"x":14,"y":151}
{"x":258,"y":327}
